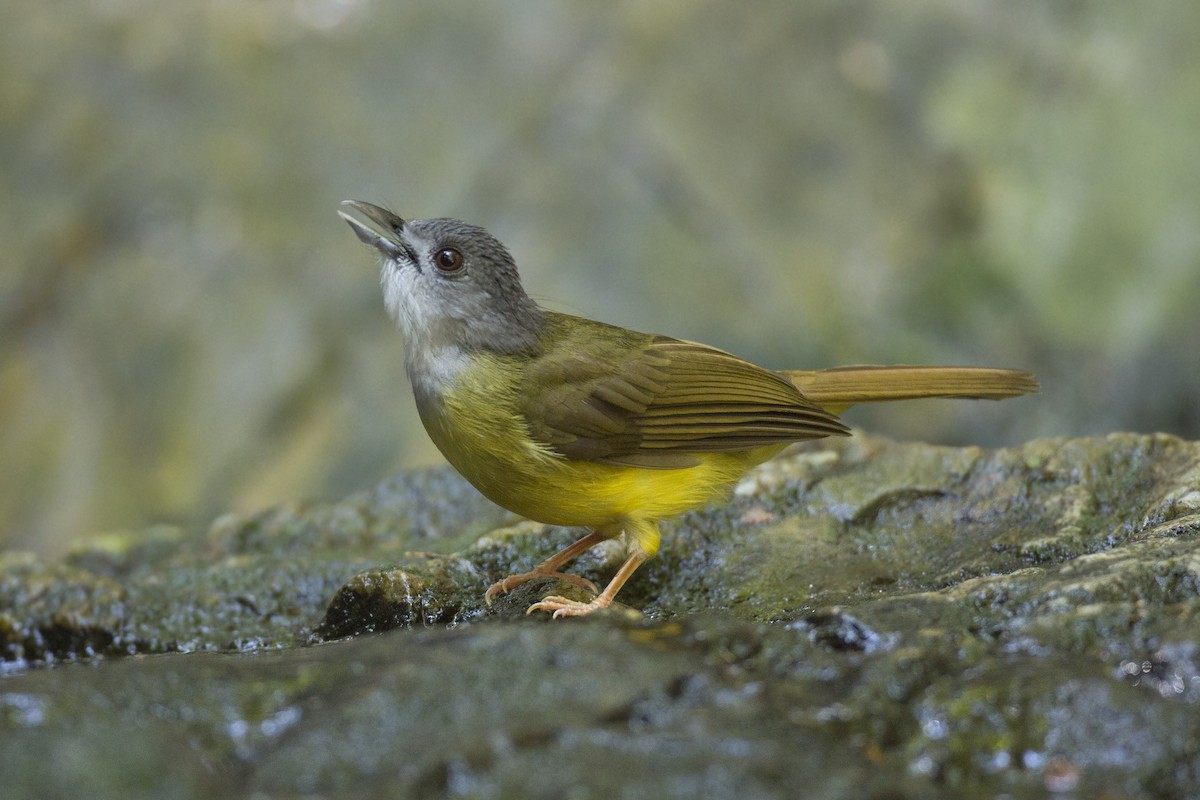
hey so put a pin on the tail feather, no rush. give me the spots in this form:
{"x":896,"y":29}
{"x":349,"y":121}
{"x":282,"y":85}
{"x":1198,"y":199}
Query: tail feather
{"x":837,"y":389}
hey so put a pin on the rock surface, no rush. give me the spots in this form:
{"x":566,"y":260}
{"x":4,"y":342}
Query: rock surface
{"x":863,"y":619}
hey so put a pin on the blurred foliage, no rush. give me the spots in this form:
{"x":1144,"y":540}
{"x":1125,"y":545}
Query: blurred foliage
{"x":188,"y":328}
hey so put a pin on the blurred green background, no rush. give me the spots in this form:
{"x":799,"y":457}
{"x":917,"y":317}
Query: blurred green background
{"x":188,"y":328}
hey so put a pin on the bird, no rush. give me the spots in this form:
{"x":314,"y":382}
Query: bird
{"x":574,"y":422}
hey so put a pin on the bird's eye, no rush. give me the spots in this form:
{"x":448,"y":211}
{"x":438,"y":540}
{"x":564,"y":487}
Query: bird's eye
{"x":448,"y":260}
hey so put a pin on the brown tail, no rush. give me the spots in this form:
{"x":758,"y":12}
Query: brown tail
{"x":837,"y":389}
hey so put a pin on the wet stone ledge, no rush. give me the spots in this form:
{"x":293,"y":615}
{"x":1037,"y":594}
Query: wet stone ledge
{"x":865,"y":618}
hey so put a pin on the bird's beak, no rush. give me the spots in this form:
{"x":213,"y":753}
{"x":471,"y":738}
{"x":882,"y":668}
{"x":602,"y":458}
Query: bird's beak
{"x":376,"y":226}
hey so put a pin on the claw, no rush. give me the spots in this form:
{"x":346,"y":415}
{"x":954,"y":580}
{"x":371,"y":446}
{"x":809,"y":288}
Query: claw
{"x":563,"y":607}
{"x":513,"y":581}
{"x":550,"y":568}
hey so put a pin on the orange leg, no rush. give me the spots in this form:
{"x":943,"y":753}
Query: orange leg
{"x":562,"y":607}
{"x":551,"y":566}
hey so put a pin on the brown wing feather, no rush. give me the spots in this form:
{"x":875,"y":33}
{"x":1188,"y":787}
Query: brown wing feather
{"x":655,"y":401}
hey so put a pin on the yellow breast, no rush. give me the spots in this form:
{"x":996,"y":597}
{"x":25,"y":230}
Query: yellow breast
{"x":476,"y":427}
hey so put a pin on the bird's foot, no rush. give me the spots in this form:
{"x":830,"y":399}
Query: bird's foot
{"x":513,"y":581}
{"x":562,"y":607}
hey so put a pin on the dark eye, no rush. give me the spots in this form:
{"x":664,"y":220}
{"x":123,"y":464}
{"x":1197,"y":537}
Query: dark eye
{"x":448,"y":260}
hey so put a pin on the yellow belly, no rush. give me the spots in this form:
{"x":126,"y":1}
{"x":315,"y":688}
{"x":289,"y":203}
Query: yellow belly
{"x":594,"y":494}
{"x":484,"y":440}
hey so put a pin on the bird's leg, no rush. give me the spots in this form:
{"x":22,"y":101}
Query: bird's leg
{"x":562,"y":607}
{"x":644,"y":538}
{"x":551,"y":566}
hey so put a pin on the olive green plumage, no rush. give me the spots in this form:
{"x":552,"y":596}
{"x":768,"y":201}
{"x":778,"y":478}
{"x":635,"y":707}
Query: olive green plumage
{"x":575,"y":422}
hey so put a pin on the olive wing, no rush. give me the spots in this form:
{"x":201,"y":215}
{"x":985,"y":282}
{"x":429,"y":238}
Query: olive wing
{"x":659,"y":401}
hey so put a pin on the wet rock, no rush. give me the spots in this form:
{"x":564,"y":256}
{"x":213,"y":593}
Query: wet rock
{"x":863,"y":619}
